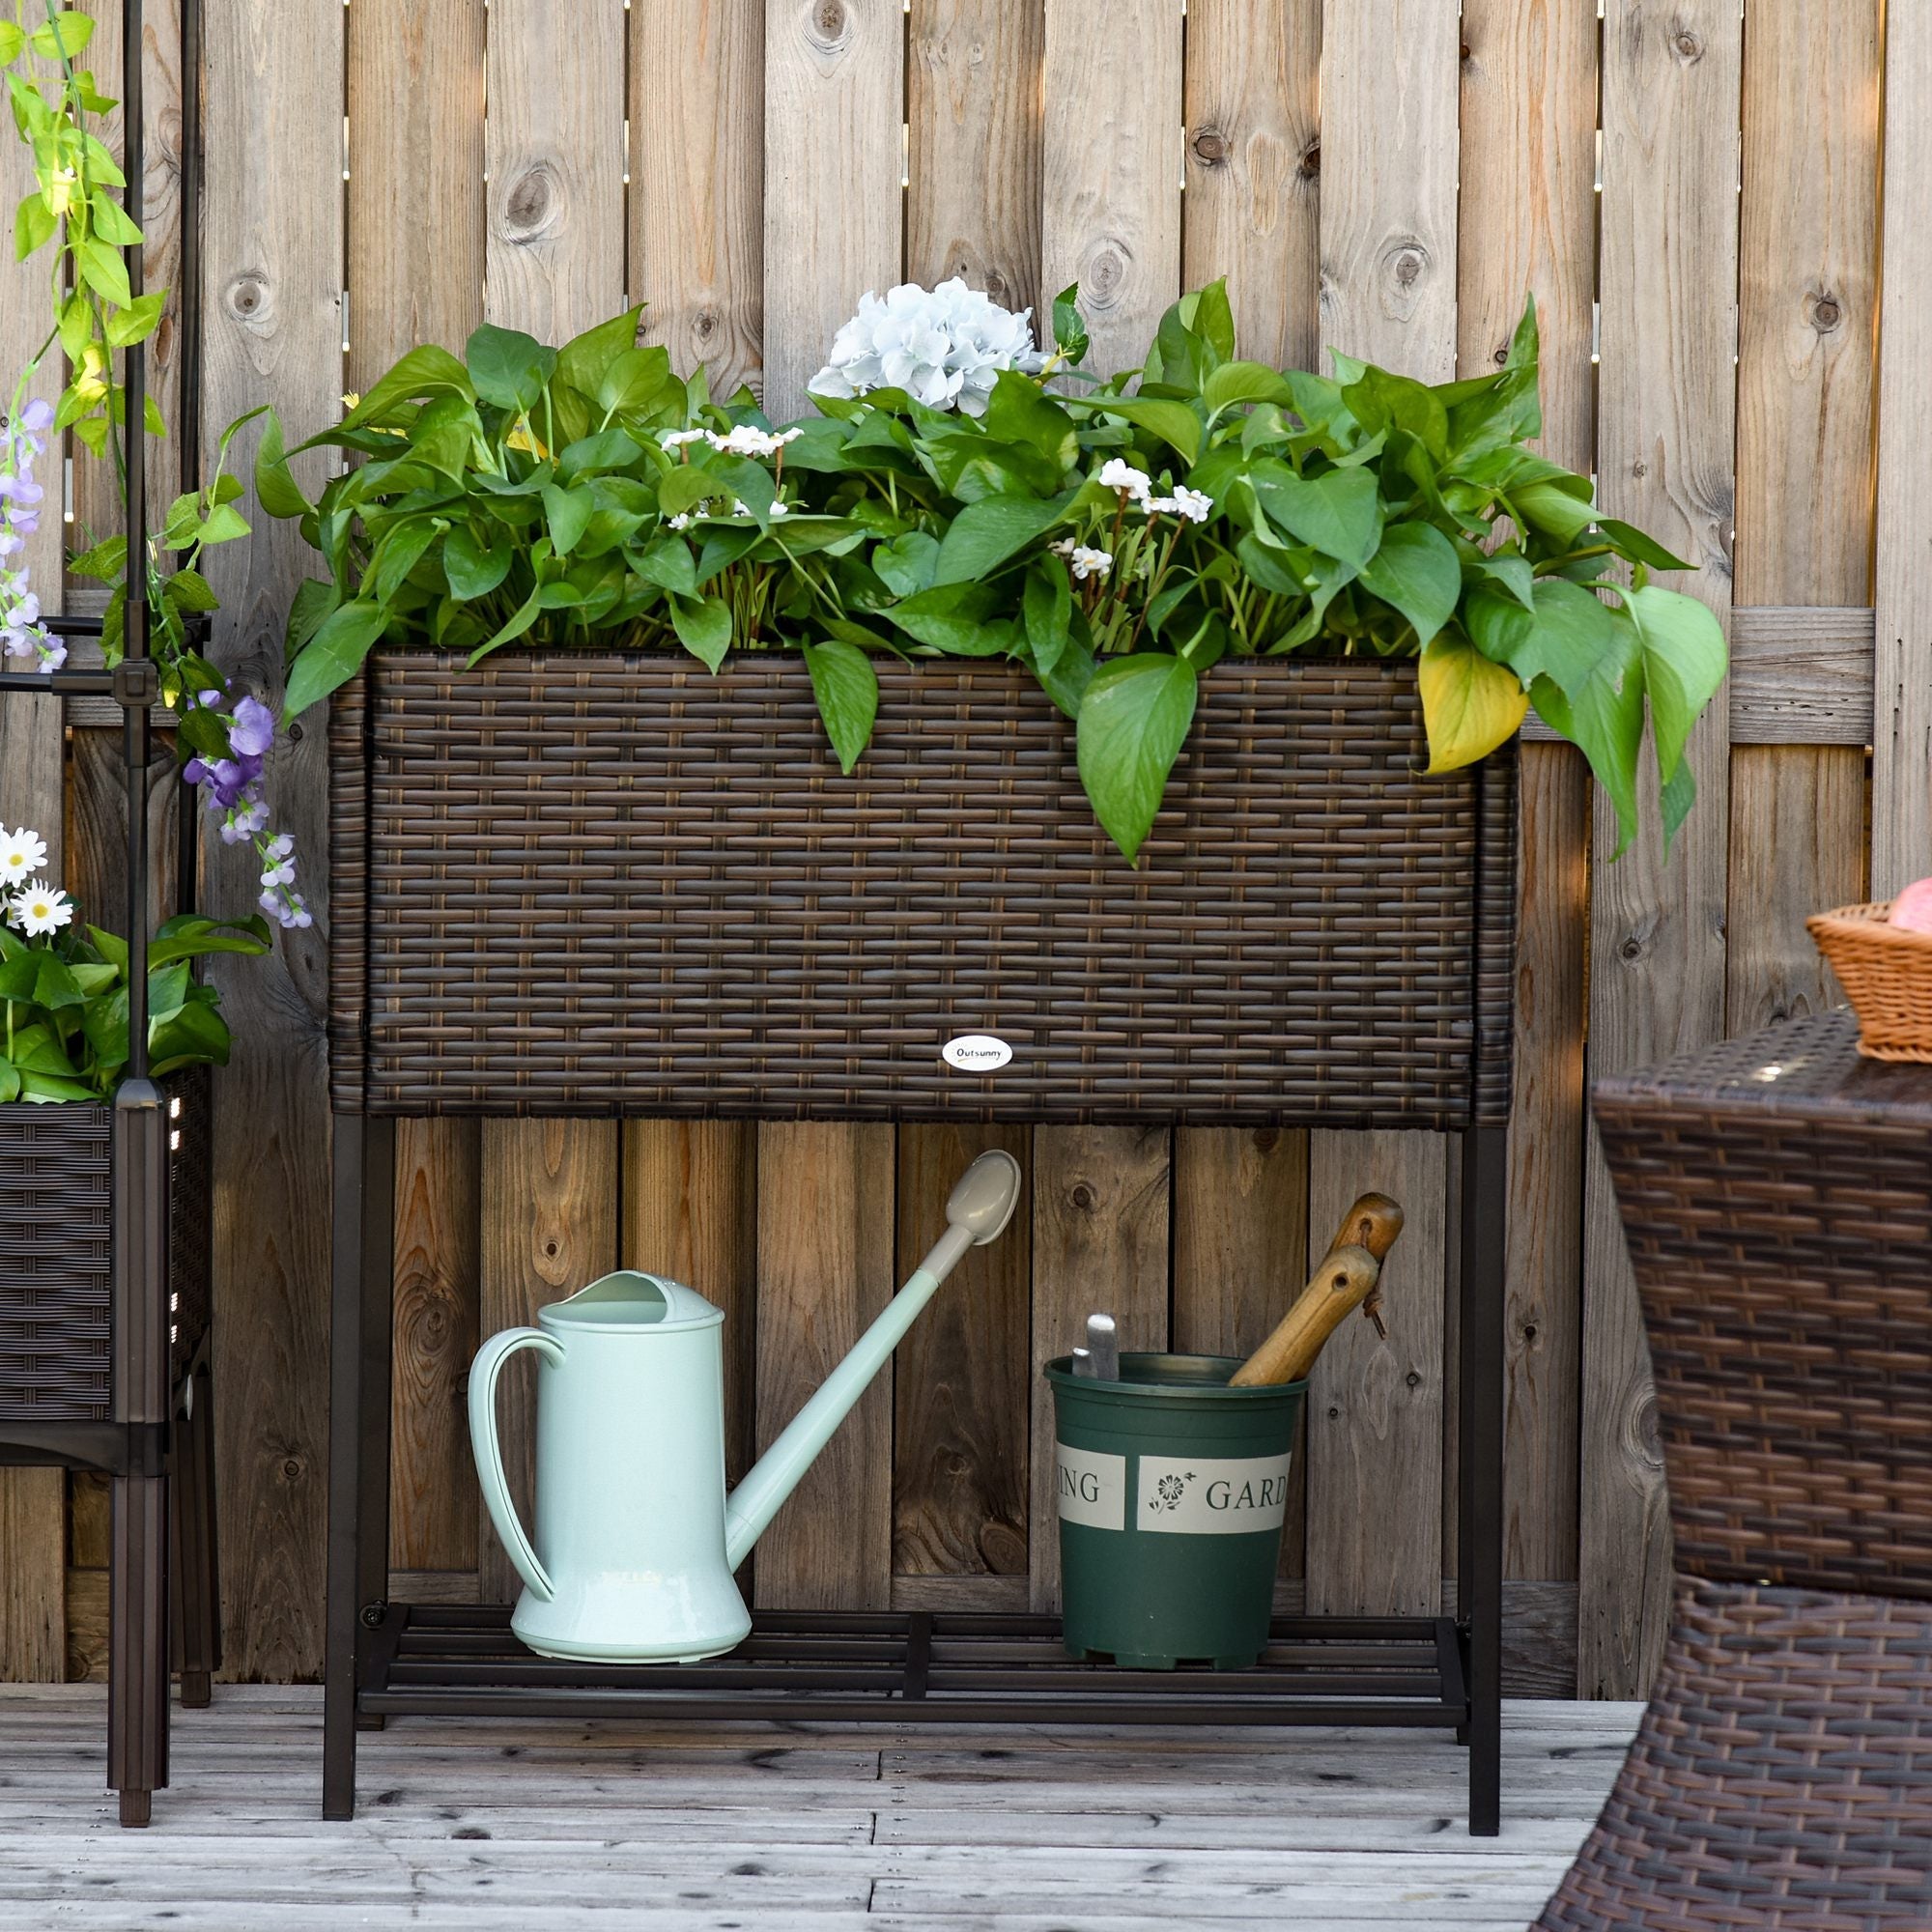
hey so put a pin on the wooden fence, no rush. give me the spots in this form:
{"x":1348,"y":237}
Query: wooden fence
{"x":1693,"y":195}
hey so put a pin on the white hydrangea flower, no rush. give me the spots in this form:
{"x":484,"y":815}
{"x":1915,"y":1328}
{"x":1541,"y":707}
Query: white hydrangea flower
{"x":23,"y":853}
{"x":1118,"y":475}
{"x":945,"y":347}
{"x":40,"y":908}
{"x":1090,"y":562}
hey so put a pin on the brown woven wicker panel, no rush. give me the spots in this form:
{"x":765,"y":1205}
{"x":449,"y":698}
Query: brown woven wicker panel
{"x":1781,"y":1779}
{"x":575,"y":883}
{"x":56,"y":1262}
{"x":1778,"y":1211}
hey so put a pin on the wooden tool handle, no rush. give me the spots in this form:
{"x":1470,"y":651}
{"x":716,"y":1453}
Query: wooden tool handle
{"x":1343,"y":1281}
{"x":1373,"y":1223}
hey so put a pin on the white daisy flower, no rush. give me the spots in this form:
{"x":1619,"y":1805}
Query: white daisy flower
{"x":676,"y":438}
{"x":23,"y":853}
{"x":1092,"y":563}
{"x":41,"y":908}
{"x":682,"y":520}
{"x":779,"y":507}
{"x":1118,"y":475}
{"x":1066,"y":547}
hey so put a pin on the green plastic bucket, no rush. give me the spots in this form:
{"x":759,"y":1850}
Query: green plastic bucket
{"x":1171,"y":1487}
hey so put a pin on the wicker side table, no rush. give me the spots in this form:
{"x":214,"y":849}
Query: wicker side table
{"x":1776,"y":1194}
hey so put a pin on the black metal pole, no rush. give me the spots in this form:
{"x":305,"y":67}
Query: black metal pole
{"x":188,"y":405}
{"x":137,"y":1724}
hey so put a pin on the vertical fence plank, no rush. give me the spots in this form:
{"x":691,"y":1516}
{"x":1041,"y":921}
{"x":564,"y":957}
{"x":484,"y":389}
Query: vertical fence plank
{"x":554,"y":151}
{"x":1809,"y":287}
{"x":698,"y":244}
{"x":1528,"y":224}
{"x":1100,"y":1214}
{"x":1112,"y":168}
{"x":825,"y":1261}
{"x":1388,"y":294}
{"x":416,"y":197}
{"x":1252,"y":209}
{"x":1901,"y":824}
{"x":973,"y":113}
{"x":1375,"y":1408}
{"x":835,"y":96}
{"x":1667,"y":406}
{"x":690,"y":1194}
{"x":438,"y":1283}
{"x":271,"y":309}
{"x":1241,"y":1245}
{"x":553,"y":265}
{"x":556,"y":1234}
{"x":961,"y":1385}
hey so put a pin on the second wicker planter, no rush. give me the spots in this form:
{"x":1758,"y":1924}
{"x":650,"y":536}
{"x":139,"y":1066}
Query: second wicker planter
{"x":577,"y":883}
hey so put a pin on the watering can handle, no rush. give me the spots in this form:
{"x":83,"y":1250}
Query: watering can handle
{"x":488,"y":1451}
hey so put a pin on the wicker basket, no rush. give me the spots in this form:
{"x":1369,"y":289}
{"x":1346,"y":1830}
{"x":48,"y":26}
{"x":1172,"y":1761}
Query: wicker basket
{"x":1887,"y":971}
{"x":56,"y":1268}
{"x":585,"y":883}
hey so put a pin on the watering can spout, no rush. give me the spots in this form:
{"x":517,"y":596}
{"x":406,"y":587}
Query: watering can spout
{"x":977,"y":1213}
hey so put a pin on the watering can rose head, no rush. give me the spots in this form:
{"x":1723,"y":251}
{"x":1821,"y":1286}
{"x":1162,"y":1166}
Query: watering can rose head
{"x":960,"y":492}
{"x":635,"y":1537}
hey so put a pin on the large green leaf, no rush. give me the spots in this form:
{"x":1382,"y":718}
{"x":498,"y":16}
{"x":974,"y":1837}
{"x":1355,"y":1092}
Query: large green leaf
{"x":704,"y":627}
{"x":1338,"y":513}
{"x":1605,"y":718}
{"x":984,"y":534}
{"x":428,"y":371}
{"x":334,"y":655}
{"x":1244,"y":382}
{"x":1416,"y":570}
{"x":472,"y":570}
{"x":508,"y":367}
{"x":1133,"y":721}
{"x":847,"y":690}
{"x":1047,"y":606}
{"x":584,"y":359}
{"x":1174,"y":423}
{"x":1563,"y":638}
{"x":1685,"y":659}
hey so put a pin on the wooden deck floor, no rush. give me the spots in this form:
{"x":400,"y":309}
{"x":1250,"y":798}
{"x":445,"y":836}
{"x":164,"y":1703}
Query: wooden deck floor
{"x":499,"y":1827}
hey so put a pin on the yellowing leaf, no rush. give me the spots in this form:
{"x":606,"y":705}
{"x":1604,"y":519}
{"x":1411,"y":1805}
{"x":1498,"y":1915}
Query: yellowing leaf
{"x":1470,"y":705}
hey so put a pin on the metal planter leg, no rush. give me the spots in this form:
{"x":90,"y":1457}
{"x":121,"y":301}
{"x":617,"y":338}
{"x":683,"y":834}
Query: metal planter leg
{"x":1480,"y":1516}
{"x":196,"y":1573}
{"x":358,"y":1434}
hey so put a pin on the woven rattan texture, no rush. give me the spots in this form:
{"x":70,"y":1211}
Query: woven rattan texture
{"x":575,"y":883}
{"x":56,"y":1266}
{"x":1886,"y":971}
{"x":1781,"y":1779}
{"x":1782,"y":1243}
{"x":56,"y":1262}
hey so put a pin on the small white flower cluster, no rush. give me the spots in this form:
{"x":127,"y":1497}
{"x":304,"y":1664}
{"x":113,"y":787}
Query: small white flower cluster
{"x":742,"y":439}
{"x":1137,"y":486}
{"x":33,"y":906}
{"x":1085,"y":562}
{"x":945,"y":347}
{"x":739,"y":508}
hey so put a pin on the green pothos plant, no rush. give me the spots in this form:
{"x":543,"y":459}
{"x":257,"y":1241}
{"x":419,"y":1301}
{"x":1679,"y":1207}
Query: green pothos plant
{"x":961,"y":492}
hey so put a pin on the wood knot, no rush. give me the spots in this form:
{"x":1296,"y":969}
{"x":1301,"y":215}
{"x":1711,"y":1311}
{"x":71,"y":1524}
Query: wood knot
{"x":1407,"y":266}
{"x":704,"y":326}
{"x":1687,"y":46}
{"x":1104,"y":274}
{"x":1082,"y":1197}
{"x":1267,"y":1139}
{"x":247,"y":296}
{"x":528,"y":207}
{"x":294,"y":1469}
{"x":829,"y":23}
{"x":1502,"y":355}
{"x":1827,"y":313}
{"x":1211,"y":148}
{"x":1310,"y":165}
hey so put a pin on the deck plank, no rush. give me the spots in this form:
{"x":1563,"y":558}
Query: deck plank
{"x":485,"y":1822}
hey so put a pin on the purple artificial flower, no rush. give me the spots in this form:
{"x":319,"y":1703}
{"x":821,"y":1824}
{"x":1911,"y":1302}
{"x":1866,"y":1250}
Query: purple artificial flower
{"x":38,"y":417}
{"x":52,"y":650}
{"x":253,"y":730}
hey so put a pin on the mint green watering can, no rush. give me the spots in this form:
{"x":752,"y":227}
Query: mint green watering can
{"x":635,"y":1537}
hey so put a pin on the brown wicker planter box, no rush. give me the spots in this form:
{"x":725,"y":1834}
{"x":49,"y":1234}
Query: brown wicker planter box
{"x":56,"y":1269}
{"x":579,"y":883}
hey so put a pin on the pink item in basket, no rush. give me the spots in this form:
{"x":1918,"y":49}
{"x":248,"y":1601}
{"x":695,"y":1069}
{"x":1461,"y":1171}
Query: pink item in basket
{"x":1913,"y":908}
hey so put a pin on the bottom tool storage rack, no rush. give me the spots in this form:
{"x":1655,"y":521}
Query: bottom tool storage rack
{"x":922,"y":1666}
